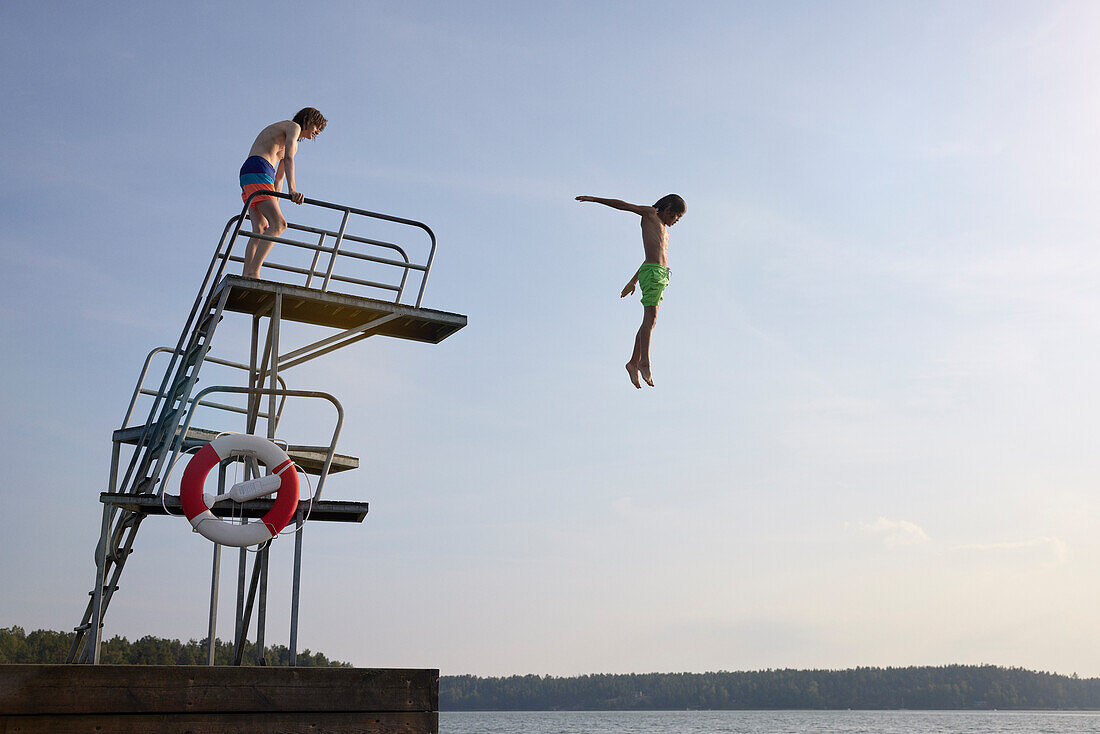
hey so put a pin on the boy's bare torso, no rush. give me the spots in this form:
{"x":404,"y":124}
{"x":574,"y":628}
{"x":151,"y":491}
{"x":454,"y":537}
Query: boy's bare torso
{"x":271,"y":142}
{"x":655,"y":239}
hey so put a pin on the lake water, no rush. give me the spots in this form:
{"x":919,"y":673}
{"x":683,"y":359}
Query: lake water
{"x":770,"y":722}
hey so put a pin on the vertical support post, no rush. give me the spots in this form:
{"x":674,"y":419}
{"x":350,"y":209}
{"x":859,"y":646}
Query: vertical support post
{"x":255,"y":376}
{"x":112,"y":482}
{"x":273,"y":372}
{"x":316,"y":255}
{"x":212,"y":628}
{"x":272,"y":427}
{"x":242,"y":567}
{"x":261,"y":612}
{"x":215,"y":579}
{"x":238,"y":651}
{"x":336,"y":249}
{"x":299,"y":521}
{"x":96,"y":631}
{"x":250,"y":424}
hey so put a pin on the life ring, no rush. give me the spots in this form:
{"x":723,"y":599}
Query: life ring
{"x":196,"y":506}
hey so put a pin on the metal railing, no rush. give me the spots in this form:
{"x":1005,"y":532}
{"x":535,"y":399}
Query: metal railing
{"x":140,"y":388}
{"x":323,"y":267}
{"x":329,"y":451}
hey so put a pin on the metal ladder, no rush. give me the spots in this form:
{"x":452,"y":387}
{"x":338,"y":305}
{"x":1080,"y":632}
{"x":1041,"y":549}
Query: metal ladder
{"x":147,"y":465}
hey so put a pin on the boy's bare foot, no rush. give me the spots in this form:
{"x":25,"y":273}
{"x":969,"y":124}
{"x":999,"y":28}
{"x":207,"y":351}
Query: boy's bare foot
{"x":646,"y":374}
{"x":632,"y":370}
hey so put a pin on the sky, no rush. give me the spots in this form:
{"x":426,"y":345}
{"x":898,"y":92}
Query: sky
{"x":872,"y":436}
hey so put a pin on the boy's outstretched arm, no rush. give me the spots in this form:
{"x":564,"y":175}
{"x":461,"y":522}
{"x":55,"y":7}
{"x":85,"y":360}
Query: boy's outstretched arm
{"x":629,"y":288}
{"x":639,"y":209}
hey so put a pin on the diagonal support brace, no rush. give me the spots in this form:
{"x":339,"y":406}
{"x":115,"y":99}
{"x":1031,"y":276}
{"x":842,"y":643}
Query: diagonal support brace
{"x":336,"y":341}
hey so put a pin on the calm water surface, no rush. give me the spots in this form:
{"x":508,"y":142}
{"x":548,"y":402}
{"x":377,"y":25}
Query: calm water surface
{"x":770,"y":722}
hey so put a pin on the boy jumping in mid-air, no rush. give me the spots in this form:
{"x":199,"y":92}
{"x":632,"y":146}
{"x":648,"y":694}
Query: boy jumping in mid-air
{"x":271,"y":158}
{"x":653,"y":275}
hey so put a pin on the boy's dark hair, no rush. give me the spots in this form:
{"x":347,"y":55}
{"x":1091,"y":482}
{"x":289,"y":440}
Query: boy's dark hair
{"x":309,"y":116}
{"x":671,"y":201}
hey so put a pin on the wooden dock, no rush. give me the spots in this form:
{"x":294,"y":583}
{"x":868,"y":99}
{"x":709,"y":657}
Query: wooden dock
{"x":163,"y":699}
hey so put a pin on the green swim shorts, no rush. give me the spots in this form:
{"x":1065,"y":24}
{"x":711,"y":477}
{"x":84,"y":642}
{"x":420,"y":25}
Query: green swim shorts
{"x":653,"y":279}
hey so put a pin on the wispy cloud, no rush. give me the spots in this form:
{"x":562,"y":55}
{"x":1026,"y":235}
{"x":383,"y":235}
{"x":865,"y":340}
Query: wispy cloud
{"x":624,"y":506}
{"x":895,"y":532}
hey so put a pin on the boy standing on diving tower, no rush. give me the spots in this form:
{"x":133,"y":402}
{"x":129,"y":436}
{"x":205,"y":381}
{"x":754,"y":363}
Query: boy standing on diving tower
{"x":653,"y":275}
{"x":271,"y":158}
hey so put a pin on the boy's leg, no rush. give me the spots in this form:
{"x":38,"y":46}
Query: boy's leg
{"x":259,"y":224}
{"x":645,"y":331}
{"x":639,"y":360}
{"x":632,"y":366}
{"x":266,"y":219}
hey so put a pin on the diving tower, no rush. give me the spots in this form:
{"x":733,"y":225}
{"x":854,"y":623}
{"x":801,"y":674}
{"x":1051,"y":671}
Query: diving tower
{"x":344,"y":274}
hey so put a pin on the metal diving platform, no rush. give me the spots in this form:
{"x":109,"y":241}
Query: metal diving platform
{"x":357,"y":272}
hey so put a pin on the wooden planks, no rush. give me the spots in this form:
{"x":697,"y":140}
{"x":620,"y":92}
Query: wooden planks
{"x":159,"y":698}
{"x":277,"y":723}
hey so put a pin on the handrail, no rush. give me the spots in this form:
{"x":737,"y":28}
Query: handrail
{"x":311,"y":273}
{"x":325,"y":271}
{"x":256,"y":392}
{"x":140,"y":388}
{"x":317,"y":230}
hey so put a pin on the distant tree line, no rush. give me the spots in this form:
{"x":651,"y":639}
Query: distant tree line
{"x":44,"y":646}
{"x":947,"y":687}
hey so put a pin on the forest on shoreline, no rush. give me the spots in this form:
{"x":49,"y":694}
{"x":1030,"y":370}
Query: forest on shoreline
{"x":930,"y":688}
{"x":46,"y":646}
{"x":942,"y":687}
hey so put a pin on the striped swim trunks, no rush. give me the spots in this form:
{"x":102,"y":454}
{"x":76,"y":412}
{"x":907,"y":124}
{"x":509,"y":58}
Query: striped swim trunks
{"x":257,"y":175}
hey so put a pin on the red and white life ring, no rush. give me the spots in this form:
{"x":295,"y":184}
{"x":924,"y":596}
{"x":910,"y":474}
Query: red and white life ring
{"x":277,"y":462}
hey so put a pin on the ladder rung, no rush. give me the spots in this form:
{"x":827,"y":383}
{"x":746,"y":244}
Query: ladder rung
{"x":207,"y":323}
{"x":177,"y":391}
{"x":194,"y":353}
{"x":92,"y":593}
{"x":169,"y":421}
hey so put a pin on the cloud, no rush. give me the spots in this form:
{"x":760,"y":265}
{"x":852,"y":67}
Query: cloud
{"x":625,"y":506}
{"x":895,"y":532}
{"x":1055,"y":546}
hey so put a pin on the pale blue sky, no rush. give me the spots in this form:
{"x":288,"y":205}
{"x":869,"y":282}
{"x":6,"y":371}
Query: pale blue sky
{"x":872,"y":436}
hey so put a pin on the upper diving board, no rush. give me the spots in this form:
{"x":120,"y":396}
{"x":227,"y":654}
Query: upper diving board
{"x":324,"y":308}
